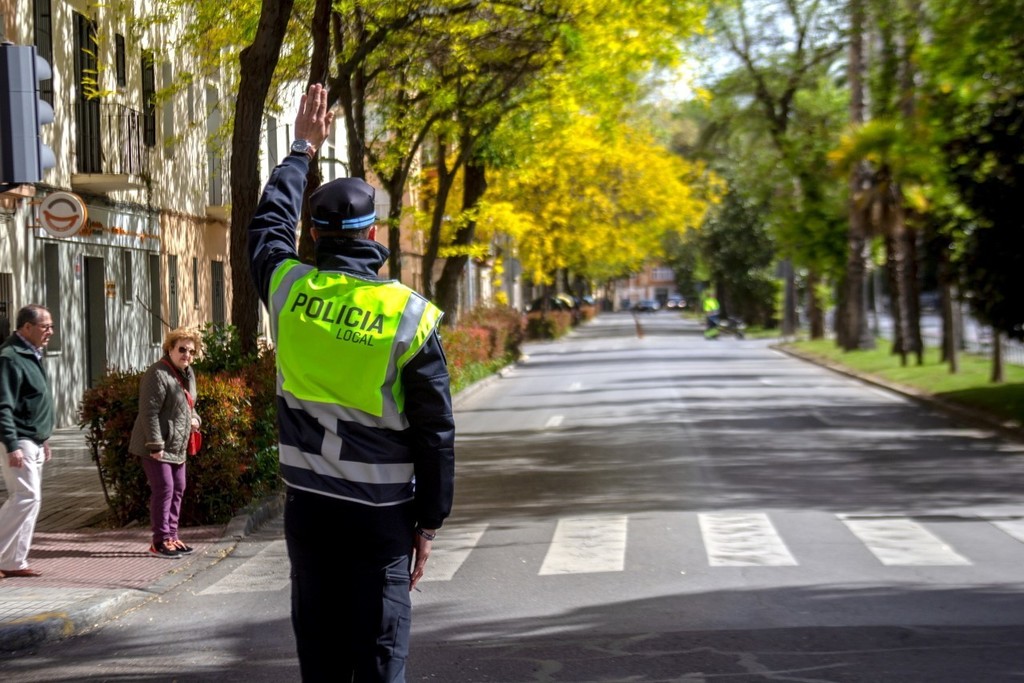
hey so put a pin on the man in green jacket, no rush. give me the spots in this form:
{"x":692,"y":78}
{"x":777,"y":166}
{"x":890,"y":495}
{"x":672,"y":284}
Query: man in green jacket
{"x":26,"y":424}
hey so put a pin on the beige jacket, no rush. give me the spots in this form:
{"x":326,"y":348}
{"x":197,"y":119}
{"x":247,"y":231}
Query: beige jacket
{"x":164,"y":421}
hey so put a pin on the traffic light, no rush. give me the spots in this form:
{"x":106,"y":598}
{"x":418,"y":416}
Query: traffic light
{"x":23,"y":156}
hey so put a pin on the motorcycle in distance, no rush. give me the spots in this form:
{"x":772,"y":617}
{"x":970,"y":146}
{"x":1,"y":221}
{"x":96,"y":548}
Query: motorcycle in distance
{"x":724,"y":325}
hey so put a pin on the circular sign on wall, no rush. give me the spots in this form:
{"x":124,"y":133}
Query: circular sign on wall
{"x":62,"y":214}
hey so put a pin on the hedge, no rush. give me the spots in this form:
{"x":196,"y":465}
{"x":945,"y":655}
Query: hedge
{"x":238,"y":461}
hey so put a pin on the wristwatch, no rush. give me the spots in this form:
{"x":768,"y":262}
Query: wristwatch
{"x":303,"y":147}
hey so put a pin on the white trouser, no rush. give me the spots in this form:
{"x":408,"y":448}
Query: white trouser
{"x":24,"y":498}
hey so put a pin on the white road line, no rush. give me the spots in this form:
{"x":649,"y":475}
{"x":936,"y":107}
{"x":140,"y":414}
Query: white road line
{"x":451,"y":549}
{"x":737,"y":539}
{"x":904,"y":542}
{"x":1014,"y":527}
{"x":575,"y":386}
{"x":267,"y":570}
{"x":585,"y":545}
{"x":554,"y":421}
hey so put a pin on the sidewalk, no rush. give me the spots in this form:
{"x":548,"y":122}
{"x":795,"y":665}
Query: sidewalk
{"x":91,"y":574}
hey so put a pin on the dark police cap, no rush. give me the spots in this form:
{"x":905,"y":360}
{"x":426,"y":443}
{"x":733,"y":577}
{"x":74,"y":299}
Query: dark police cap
{"x":343,"y":204}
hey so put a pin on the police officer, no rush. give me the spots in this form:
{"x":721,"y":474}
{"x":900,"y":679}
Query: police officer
{"x":364,"y":414}
{"x":711,"y":313}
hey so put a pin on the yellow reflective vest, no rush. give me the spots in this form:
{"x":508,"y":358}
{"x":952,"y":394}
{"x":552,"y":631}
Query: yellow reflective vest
{"x":342,"y":342}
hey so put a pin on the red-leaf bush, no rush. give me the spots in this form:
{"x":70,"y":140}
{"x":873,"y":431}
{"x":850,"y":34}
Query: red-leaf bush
{"x":236,"y":466}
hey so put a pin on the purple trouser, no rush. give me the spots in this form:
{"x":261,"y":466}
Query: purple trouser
{"x":167,"y":486}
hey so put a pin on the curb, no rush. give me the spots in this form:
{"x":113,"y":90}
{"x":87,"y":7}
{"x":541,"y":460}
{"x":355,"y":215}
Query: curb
{"x":80,"y":617}
{"x":54,"y":626}
{"x":971,"y":416}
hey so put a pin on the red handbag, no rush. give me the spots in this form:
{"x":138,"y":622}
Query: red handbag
{"x":195,"y":442}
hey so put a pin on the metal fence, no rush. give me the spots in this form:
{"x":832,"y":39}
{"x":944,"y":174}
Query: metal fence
{"x":110,"y":139}
{"x":975,"y":337}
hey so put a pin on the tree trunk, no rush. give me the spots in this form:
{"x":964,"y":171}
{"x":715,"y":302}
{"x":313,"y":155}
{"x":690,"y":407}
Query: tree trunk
{"x":855,"y":323}
{"x":815,"y":315}
{"x":896,"y":259}
{"x":997,"y":357}
{"x":788,"y":300}
{"x":257,"y":64}
{"x":907,"y":76}
{"x":319,"y":72}
{"x":947,"y":300}
{"x":854,"y":327}
{"x":951,"y":328}
{"x":349,"y":88}
{"x":473,"y":189}
{"x":437,"y":220}
{"x":897,"y":308}
{"x":395,"y":185}
{"x":912,"y":286}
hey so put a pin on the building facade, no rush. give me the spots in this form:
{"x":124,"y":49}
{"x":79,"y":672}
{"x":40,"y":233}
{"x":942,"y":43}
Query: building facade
{"x":126,"y":237}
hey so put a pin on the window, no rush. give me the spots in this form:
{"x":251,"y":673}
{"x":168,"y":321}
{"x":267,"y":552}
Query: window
{"x":127,"y":279}
{"x":167,"y":76}
{"x":272,"y":134}
{"x":155,"y":329}
{"x":195,"y":283}
{"x":44,"y":45}
{"x":119,"y":61}
{"x":51,"y":264}
{"x":662,"y":274}
{"x":217,"y":311}
{"x":7,"y":314}
{"x":172,"y":289}
{"x":215,"y":179}
{"x":148,"y":99}
{"x":89,"y":141}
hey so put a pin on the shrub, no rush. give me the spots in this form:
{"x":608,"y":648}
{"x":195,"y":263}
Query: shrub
{"x":222,"y":350}
{"x":549,"y":325}
{"x":506,"y":328}
{"x":238,"y":462}
{"x":108,"y":409}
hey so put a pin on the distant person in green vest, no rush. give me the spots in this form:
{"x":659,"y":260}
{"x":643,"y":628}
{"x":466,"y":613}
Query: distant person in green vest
{"x":26,"y":424}
{"x":367,"y":436}
{"x":711,"y":312}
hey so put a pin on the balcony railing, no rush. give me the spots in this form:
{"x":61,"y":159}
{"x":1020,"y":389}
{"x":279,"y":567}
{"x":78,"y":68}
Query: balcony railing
{"x":110,"y":150}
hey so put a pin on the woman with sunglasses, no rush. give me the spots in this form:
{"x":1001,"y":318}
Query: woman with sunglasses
{"x":162,"y":436}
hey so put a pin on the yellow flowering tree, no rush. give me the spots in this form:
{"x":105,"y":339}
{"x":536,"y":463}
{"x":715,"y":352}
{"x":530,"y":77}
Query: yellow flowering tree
{"x":596,"y":201}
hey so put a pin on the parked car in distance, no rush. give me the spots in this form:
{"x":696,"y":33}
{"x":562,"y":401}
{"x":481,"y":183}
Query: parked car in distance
{"x":646,"y":306}
{"x":675,"y":302}
{"x":555,"y":302}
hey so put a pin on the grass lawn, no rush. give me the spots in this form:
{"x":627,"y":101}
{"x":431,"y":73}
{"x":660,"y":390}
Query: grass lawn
{"x":969,"y":387}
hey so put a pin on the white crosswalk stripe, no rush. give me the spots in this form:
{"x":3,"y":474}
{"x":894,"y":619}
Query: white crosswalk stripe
{"x":584,"y":545}
{"x":451,"y":550}
{"x":1014,"y":527}
{"x":743,"y":540}
{"x":267,"y":570}
{"x":904,"y":542}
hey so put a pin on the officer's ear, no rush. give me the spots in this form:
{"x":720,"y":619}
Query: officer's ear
{"x":314,"y":233}
{"x":372,"y":234}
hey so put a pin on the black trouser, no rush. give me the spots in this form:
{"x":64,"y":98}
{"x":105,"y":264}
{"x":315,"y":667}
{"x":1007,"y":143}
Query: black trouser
{"x":350,"y":588}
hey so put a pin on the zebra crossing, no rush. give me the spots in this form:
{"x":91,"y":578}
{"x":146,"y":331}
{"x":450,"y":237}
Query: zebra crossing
{"x":597,"y":544}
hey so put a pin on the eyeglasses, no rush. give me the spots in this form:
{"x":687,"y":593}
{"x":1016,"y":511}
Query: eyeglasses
{"x":47,"y":326}
{"x":183,"y":350}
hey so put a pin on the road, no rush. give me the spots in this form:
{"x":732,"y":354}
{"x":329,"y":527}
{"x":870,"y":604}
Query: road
{"x":659,"y":509}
